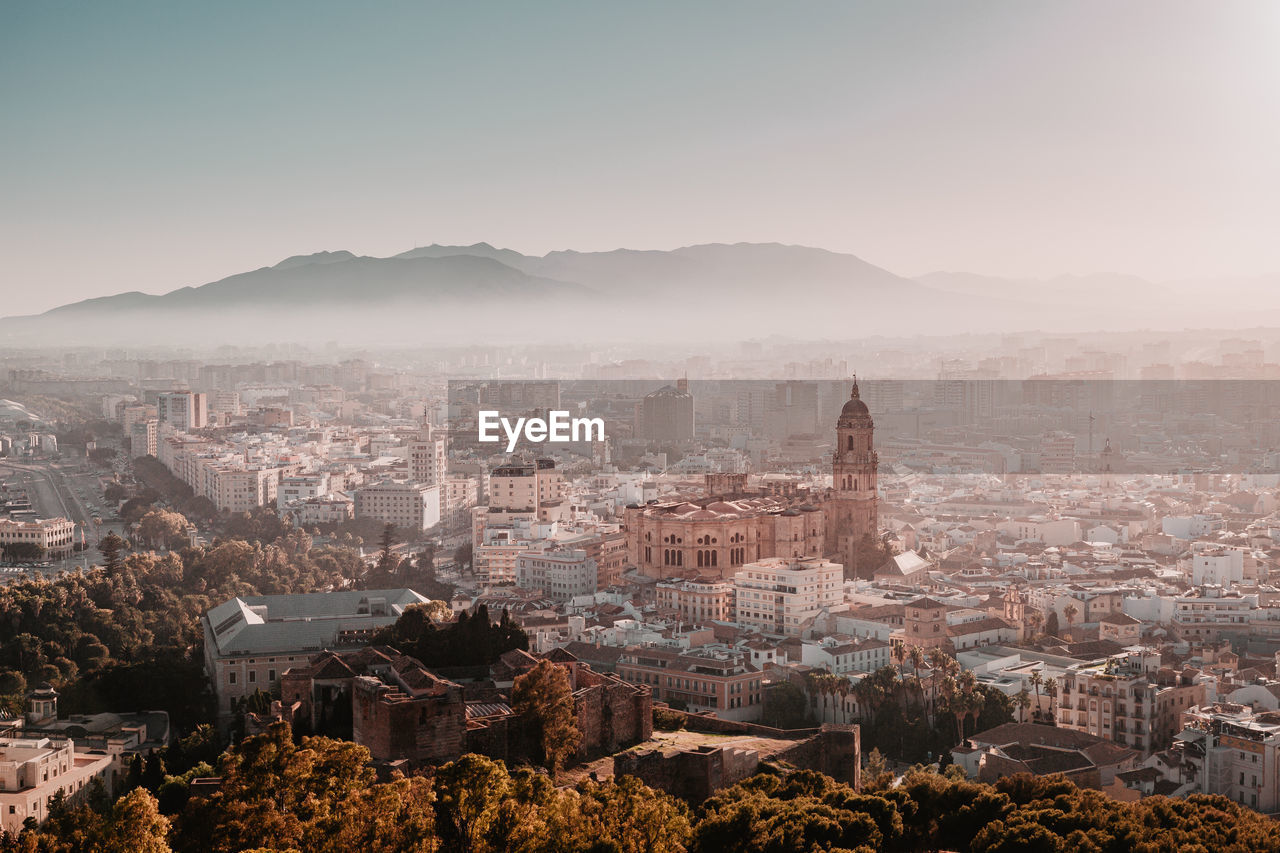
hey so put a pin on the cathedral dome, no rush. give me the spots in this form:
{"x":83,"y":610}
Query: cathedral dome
{"x":855,"y":409}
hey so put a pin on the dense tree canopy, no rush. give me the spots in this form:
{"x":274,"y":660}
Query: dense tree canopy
{"x":320,"y":795}
{"x":129,"y":638}
{"x":473,"y":640}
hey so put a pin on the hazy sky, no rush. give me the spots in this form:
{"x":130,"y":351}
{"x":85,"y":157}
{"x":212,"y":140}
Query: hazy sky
{"x":149,"y":146}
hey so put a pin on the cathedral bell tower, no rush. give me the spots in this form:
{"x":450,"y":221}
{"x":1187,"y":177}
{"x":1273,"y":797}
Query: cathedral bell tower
{"x":853,"y":510}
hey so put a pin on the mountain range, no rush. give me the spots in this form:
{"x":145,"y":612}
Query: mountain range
{"x":723,"y":291}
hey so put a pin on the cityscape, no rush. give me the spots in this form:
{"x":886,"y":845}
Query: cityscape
{"x":519,"y":540}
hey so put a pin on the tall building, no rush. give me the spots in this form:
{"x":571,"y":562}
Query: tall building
{"x":1058,"y":453}
{"x":667,"y":414}
{"x":780,"y":596}
{"x":1128,"y":699}
{"x":853,"y":511}
{"x":183,"y":410}
{"x":1231,"y":750}
{"x":426,"y":458}
{"x":143,"y":436}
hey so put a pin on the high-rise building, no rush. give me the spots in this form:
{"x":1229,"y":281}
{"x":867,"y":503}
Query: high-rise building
{"x":183,"y":410}
{"x":667,"y":414}
{"x":426,"y":458}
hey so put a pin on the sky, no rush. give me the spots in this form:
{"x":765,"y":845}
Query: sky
{"x":151,"y":146}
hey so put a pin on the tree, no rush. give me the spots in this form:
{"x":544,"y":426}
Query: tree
{"x":1023,"y":700}
{"x":427,"y":562}
{"x":163,"y":528}
{"x":784,"y":707}
{"x":279,"y":794}
{"x":876,"y":775}
{"x":135,"y":826}
{"x":462,"y":556}
{"x":631,"y":816}
{"x":543,"y":697}
{"x":385,"y":558}
{"x":1036,"y":680}
{"x":468,"y":792}
{"x":1070,"y":612}
{"x":23,"y":552}
{"x":153,"y":772}
{"x":111,"y":547}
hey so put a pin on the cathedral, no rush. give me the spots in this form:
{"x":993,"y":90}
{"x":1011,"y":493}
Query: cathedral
{"x":714,"y":537}
{"x":852,"y":510}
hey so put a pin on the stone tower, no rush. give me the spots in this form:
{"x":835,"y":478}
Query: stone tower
{"x":853,"y":510}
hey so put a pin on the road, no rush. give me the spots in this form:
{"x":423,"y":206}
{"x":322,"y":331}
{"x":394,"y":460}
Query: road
{"x":55,"y":490}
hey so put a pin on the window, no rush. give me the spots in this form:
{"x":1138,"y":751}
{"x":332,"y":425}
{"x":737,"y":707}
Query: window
{"x":231,"y":677}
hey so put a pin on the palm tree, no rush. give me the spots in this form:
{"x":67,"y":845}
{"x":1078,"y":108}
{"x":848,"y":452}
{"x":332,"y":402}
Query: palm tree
{"x":917,"y":657}
{"x":1070,"y":612}
{"x":900,"y":655}
{"x":1052,"y":690}
{"x":844,"y":688}
{"x":1034,"y":619}
{"x":970,"y":701}
{"x":811,"y":688}
{"x":1023,"y":700}
{"x":1036,"y":680}
{"x":938,"y":663}
{"x":862,"y":692}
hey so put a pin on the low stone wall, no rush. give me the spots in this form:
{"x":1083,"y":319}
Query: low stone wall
{"x":707,"y":722}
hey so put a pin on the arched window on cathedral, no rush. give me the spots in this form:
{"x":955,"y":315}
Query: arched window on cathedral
{"x":851,"y":442}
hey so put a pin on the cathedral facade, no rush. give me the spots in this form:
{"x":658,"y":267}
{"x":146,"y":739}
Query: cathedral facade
{"x":714,"y":537}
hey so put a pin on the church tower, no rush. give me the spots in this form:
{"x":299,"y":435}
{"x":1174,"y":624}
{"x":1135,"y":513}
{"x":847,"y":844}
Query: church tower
{"x":853,"y":510}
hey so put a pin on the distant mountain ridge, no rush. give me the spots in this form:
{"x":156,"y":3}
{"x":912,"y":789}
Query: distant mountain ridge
{"x":481,"y":292}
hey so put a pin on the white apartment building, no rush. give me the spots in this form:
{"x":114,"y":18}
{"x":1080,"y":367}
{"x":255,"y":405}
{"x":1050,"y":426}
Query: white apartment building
{"x":142,"y":437}
{"x":301,"y":487}
{"x":1220,"y":566}
{"x":413,"y":506}
{"x":1204,"y":614}
{"x":777,"y":595}
{"x":458,"y":495}
{"x":558,"y":573}
{"x":426,"y":459}
{"x":1127,"y":699}
{"x":34,"y":769}
{"x":700,"y":600}
{"x":1233,"y":751}
{"x":329,"y":509}
{"x":847,"y":655}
